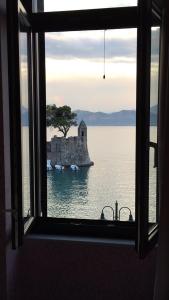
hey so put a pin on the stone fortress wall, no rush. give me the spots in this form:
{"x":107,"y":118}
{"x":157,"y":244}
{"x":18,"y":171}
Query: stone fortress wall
{"x":69,"y":151}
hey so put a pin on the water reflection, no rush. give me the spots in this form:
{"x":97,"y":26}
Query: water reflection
{"x":23,"y":46}
{"x":66,"y":189}
{"x":153,"y":187}
{"x":84,"y":194}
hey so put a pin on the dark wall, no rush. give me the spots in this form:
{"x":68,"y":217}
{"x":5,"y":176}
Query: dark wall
{"x":50,"y":269}
{"x":4,"y":149}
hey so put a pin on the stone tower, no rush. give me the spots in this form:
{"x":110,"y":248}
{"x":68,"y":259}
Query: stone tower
{"x":70,"y":151}
{"x":82,"y":131}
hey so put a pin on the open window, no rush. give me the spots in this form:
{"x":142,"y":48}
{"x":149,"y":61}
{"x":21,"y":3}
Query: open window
{"x":57,"y":55}
{"x":147,"y":195}
{"x":102,"y":145}
{"x":21,"y":97}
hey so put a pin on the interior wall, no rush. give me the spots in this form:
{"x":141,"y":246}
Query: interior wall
{"x":4,"y":148}
{"x":51,"y":269}
{"x":162,"y":274}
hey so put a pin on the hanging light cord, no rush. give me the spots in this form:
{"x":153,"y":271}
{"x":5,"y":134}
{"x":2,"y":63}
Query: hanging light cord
{"x":104,"y":56}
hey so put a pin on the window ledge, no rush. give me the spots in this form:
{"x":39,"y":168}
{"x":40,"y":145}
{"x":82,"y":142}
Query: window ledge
{"x":82,"y":240}
{"x":83,"y":231}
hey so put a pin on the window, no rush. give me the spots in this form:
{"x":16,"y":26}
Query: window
{"x":75,"y":66}
{"x":153,"y":156}
{"x":147,"y":204}
{"x":95,"y":29}
{"x":25,"y":123}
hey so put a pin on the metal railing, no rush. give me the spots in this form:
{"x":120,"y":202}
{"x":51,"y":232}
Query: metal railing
{"x":116,"y":212}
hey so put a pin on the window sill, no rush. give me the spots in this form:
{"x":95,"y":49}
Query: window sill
{"x":83,"y":231}
{"x":82,"y":240}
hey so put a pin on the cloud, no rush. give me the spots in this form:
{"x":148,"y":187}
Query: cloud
{"x":51,"y":5}
{"x":117,"y":49}
{"x":155,"y":45}
{"x":94,"y":95}
{"x":56,"y":99}
{"x":75,"y":66}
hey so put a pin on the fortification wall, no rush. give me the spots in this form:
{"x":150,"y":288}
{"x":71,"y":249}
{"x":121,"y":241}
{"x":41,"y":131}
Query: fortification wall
{"x":68,"y":151}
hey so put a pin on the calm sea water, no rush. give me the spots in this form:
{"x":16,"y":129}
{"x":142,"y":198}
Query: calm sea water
{"x":83,"y":194}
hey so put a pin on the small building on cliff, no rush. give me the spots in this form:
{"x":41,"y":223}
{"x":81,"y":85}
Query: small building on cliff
{"x":72,"y":150}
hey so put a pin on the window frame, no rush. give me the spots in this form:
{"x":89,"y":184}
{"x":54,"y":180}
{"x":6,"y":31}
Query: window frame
{"x":76,"y":20}
{"x":147,"y":235}
{"x":25,"y":26}
{"x":17,"y":18}
{"x":113,"y":18}
{"x":14,"y":99}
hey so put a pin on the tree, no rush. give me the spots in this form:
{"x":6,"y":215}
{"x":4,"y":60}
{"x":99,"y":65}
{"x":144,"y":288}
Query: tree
{"x":60,"y":117}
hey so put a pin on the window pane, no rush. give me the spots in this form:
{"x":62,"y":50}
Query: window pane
{"x":64,"y":5}
{"x":75,"y":65}
{"x":25,"y":123}
{"x":155,"y":44}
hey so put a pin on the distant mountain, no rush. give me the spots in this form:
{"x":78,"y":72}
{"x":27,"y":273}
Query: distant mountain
{"x":153,"y":115}
{"x":120,"y":118}
{"x":153,"y":109}
{"x":24,"y":116}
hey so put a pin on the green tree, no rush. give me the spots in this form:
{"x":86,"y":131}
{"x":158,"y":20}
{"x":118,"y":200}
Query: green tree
{"x":60,"y":117}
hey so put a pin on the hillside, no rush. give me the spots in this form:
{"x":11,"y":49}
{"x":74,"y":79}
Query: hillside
{"x":24,"y":116}
{"x":120,"y":118}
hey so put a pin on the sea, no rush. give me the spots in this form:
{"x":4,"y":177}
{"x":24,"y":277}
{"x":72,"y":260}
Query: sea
{"x":83,"y":194}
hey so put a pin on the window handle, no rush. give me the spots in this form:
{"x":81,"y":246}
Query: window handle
{"x":155,"y":147}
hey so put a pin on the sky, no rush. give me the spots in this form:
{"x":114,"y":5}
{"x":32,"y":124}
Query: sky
{"x":51,"y":5}
{"x":75,"y":64}
{"x":75,"y":69}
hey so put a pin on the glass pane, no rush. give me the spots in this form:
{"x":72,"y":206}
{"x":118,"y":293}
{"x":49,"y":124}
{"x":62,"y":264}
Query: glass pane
{"x":75,"y":66}
{"x":65,"y":5}
{"x":155,"y":45}
{"x":25,"y":123}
